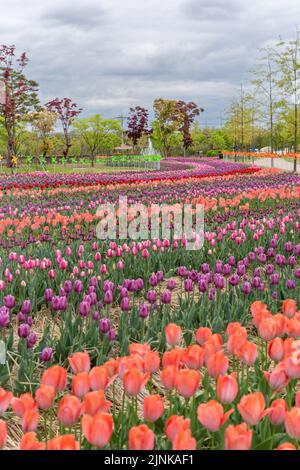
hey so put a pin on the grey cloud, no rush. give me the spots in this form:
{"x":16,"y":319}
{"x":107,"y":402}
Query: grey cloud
{"x":111,"y":54}
{"x":77,"y":15}
{"x":212,"y":10}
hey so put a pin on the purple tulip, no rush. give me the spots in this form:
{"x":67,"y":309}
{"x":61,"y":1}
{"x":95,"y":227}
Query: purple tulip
{"x":112,"y":335}
{"x":144,"y":311}
{"x":290,"y":284}
{"x":96,"y":316}
{"x":46,"y":354}
{"x":26,"y":307}
{"x":125,"y":305}
{"x":166,"y":297}
{"x":23,"y":330}
{"x":48,"y":295}
{"x":9,"y":301}
{"x":104,"y":325}
{"x":84,"y":308}
{"x":275,"y":279}
{"x":108,"y":297}
{"x":31,"y":340}
{"x":171,"y":284}
{"x":78,"y":286}
{"x":4,"y":317}
{"x":151,"y":296}
{"x":188,"y":285}
{"x":153,"y":281}
{"x":246,"y":288}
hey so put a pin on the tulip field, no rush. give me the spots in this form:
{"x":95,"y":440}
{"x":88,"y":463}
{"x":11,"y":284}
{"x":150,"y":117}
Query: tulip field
{"x":143,"y":344}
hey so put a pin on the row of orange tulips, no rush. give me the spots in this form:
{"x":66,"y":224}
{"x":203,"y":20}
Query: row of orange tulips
{"x":214,"y":393}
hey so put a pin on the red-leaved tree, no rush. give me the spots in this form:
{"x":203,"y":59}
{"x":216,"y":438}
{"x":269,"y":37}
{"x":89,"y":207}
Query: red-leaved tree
{"x":188,"y":113}
{"x":137,"y":124}
{"x":66,"y":111}
{"x":18,"y":95}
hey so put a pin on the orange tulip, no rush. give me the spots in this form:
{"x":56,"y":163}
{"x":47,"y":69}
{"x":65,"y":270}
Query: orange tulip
{"x":217,"y":364}
{"x":193,"y":357}
{"x":128,"y":362}
{"x":45,"y":396}
{"x":278,"y":378}
{"x":69,"y":410}
{"x":280,"y":321}
{"x":217,"y":341}
{"x":292,"y":365}
{"x":23,"y":403}
{"x":289,"y":307}
{"x":187,"y":382}
{"x":80,"y":362}
{"x":238,"y":437}
{"x":252,"y":408}
{"x":267,"y":329}
{"x":235,"y":343}
{"x":167,"y":377}
{"x":275,"y":349}
{"x":29,"y":442}
{"x":80,"y":384}
{"x":97,"y":429}
{"x":139,"y":349}
{"x":203,"y":334}
{"x":112,"y":367}
{"x":134,"y":380}
{"x":3,"y":433}
{"x":211,"y":415}
{"x":141,"y":438}
{"x":30,"y":420}
{"x":173,"y":334}
{"x":286,"y":446}
{"x":56,"y":376}
{"x":227,"y":388}
{"x":65,"y":442}
{"x":209,"y":350}
{"x":236,"y":328}
{"x":184,"y":441}
{"x":95,"y":402}
{"x":257,"y":306}
{"x":292,"y":423}
{"x":173,"y":357}
{"x":289,"y":346}
{"x":277,"y":411}
{"x":151,"y":362}
{"x":292,"y":327}
{"x":153,"y":407}
{"x":5,"y":400}
{"x":99,"y":378}
{"x":175,"y":424}
{"x":248,"y":353}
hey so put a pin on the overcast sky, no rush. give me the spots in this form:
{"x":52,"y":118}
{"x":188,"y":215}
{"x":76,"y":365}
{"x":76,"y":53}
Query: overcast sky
{"x":109,"y":55}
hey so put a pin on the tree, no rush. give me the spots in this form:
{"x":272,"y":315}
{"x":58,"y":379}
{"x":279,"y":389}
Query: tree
{"x":165,"y":142}
{"x":98,"y":134}
{"x":168,"y":121}
{"x":137,"y":124}
{"x":188,"y":113}
{"x":287,"y":59}
{"x":19,"y":95}
{"x":67,"y":111}
{"x":266,"y":83}
{"x":43,"y":123}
